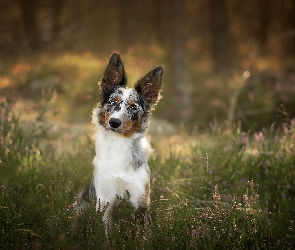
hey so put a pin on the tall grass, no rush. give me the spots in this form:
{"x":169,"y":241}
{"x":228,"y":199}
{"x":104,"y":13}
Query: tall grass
{"x":222,"y":189}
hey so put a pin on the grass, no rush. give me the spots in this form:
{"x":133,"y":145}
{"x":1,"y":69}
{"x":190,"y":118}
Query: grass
{"x":219,"y":189}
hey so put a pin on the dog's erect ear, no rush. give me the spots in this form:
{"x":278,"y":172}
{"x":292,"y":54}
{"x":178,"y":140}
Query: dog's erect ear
{"x":150,"y":85}
{"x":114,"y":75}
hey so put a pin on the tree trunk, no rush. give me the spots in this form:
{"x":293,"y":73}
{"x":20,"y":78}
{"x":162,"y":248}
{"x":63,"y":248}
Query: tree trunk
{"x":129,"y":22}
{"x":262,"y":31}
{"x":290,"y":33}
{"x":180,"y":80}
{"x":28,"y":12}
{"x":220,"y":43}
{"x":57,"y":6}
{"x":293,"y":25}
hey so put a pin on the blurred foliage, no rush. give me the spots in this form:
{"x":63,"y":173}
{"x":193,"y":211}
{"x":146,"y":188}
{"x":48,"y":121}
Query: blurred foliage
{"x":255,"y":27}
{"x":263,"y":98}
{"x":65,"y":44}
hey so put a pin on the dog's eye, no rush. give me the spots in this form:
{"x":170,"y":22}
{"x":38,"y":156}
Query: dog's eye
{"x":132,"y":107}
{"x":111,"y":103}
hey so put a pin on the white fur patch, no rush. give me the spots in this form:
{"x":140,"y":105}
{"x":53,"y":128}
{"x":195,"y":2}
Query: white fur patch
{"x":119,"y":114}
{"x":115,"y":170}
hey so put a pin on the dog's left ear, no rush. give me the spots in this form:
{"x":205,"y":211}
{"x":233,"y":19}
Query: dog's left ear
{"x":114,"y":75}
{"x":150,"y":85}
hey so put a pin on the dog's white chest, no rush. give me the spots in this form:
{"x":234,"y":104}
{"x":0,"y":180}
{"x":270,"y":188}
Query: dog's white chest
{"x":115,"y":169}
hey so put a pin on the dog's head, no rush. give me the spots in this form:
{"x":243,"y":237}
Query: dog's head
{"x":124,"y":110}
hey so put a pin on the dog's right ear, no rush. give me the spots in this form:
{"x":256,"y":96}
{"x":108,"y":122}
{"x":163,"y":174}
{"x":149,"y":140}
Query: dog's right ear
{"x":149,"y":86}
{"x":114,"y":76}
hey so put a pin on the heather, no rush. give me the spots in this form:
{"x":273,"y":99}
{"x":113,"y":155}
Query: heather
{"x":220,"y":188}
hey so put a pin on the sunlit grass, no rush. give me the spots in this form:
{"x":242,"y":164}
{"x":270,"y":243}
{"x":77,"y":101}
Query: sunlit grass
{"x":219,"y":189}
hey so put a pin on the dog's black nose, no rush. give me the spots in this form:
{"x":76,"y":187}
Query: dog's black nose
{"x":115,"y":123}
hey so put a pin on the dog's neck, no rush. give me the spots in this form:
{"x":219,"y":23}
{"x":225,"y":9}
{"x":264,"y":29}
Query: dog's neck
{"x":116,"y":152}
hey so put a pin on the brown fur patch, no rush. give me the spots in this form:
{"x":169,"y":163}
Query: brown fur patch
{"x":131,"y":127}
{"x":103,"y":118}
{"x":130,"y":102}
{"x":117,"y":98}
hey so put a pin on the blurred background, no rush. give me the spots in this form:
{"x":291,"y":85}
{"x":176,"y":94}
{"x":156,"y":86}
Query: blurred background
{"x":226,"y":61}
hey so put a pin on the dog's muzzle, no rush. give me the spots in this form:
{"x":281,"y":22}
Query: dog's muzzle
{"x":115,"y":123}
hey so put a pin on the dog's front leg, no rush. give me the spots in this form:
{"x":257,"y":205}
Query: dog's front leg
{"x":142,"y":205}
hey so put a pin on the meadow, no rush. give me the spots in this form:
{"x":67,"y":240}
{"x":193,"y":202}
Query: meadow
{"x":218,"y":187}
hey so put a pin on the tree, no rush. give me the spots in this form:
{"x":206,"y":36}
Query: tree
{"x":129,"y":21}
{"x":181,"y":100}
{"x":28,"y":14}
{"x":289,"y":35}
{"x":220,"y":40}
{"x":263,"y":25}
{"x":57,"y":6}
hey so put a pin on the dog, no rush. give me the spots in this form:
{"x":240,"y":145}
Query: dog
{"x":121,"y":146}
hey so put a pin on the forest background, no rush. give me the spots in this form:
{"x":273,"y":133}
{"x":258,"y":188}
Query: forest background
{"x":224,"y":60}
{"x":223,"y":166}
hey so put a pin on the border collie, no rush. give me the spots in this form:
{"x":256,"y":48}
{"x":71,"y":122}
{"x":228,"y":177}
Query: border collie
{"x":122,"y":149}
